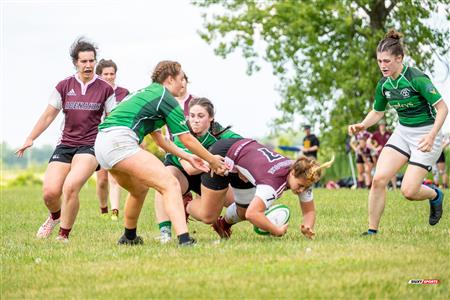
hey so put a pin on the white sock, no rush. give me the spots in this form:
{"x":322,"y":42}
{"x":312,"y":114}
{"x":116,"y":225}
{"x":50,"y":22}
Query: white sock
{"x":231,"y":215}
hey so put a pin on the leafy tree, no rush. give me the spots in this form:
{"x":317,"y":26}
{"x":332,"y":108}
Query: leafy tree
{"x":323,"y":51}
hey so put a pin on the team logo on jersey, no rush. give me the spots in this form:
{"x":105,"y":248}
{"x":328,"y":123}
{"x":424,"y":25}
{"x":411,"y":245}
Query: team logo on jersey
{"x":270,"y":155}
{"x":388,"y":94}
{"x":405,"y":92}
{"x":431,"y":89}
{"x":71,"y":93}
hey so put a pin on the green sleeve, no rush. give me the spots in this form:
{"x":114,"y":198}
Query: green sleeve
{"x":380,"y":100}
{"x":426,"y":88}
{"x":229,"y":135}
{"x":173,"y":115}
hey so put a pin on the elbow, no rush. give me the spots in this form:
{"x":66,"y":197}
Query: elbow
{"x":250,"y":215}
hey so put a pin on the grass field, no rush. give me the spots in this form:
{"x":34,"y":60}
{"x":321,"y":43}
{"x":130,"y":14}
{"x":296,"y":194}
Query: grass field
{"x":341,"y":263}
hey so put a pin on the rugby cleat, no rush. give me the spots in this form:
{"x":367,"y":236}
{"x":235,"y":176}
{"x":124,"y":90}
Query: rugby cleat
{"x":62,"y":239}
{"x":125,"y":241}
{"x":46,"y":229}
{"x":190,"y":243}
{"x":186,"y":199}
{"x":222,"y":228}
{"x":436,"y":207}
{"x":115,"y":215}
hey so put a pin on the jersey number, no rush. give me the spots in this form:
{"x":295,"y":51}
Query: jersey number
{"x":270,"y":155}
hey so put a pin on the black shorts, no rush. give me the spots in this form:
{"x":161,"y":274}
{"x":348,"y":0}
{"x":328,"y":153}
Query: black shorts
{"x":441,"y":158}
{"x":65,"y":154}
{"x":194,"y":181}
{"x":360,"y":159}
{"x":217,"y":182}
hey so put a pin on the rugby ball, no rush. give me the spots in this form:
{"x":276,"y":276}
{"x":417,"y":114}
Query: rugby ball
{"x":278,"y":214}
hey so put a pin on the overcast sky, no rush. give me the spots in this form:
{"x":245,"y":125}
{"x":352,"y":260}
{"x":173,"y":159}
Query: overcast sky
{"x":36,"y":36}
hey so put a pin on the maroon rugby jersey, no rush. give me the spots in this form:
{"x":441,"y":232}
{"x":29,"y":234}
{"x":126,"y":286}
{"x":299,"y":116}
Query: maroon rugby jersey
{"x":186,"y":105}
{"x":120,"y":93}
{"x":363,"y":135}
{"x":83,"y":106}
{"x":381,"y":139}
{"x":261,"y":166}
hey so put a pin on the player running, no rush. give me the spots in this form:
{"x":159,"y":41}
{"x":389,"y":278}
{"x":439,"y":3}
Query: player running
{"x":416,"y":140}
{"x":136,"y":170}
{"x":83,"y":98}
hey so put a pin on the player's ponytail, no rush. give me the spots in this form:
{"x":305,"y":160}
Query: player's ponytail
{"x":309,"y":168}
{"x":392,"y":43}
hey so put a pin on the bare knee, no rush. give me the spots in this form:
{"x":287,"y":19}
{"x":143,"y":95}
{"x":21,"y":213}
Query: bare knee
{"x":139,"y":192}
{"x":169,"y":184}
{"x":379,"y":182}
{"x":408,"y":192}
{"x":51,"y":195}
{"x":102,"y":183}
{"x":70,"y":190}
{"x":208,"y":218}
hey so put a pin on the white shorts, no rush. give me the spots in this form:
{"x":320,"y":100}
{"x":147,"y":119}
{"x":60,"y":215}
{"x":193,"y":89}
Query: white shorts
{"x":406,"y":141}
{"x":243,"y":197}
{"x":115,"y":144}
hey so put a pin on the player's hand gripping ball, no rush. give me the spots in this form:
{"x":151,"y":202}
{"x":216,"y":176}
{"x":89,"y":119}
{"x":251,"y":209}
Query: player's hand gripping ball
{"x":278,"y":214}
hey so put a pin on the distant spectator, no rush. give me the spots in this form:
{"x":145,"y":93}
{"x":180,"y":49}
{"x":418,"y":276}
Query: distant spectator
{"x":364,"y":158}
{"x":378,"y":139}
{"x":440,"y":165}
{"x":311,"y":143}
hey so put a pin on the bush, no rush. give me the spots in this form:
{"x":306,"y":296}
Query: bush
{"x":25,"y":179}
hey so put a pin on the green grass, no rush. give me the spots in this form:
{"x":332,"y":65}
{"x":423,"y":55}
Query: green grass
{"x":342,"y":264}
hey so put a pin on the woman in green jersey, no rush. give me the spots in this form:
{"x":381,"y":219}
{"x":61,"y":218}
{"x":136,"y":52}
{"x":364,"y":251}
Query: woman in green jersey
{"x":117,"y":146}
{"x":416,"y":139}
{"x":207,"y":131}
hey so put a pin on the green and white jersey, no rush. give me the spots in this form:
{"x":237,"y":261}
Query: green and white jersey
{"x":147,"y":110}
{"x":207,"y":140}
{"x":412,"y":95}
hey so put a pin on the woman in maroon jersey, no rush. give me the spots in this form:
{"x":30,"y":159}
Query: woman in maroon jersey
{"x":107,"y":70}
{"x":83,"y":98}
{"x":364,"y":158}
{"x":258,"y":176}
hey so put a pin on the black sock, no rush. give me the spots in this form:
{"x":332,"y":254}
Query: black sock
{"x":184,"y":238}
{"x":372,"y":231}
{"x":130,"y":233}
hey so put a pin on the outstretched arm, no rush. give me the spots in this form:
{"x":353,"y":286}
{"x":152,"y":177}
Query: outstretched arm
{"x":190,"y":170}
{"x":41,"y":125}
{"x":170,"y":147}
{"x":215,"y":161}
{"x":309,"y":218}
{"x":372,"y":118}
